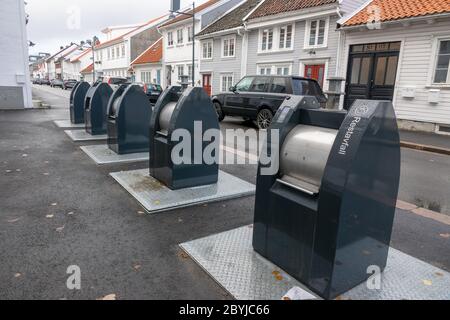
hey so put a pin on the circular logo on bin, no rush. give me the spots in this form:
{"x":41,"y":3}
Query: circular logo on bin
{"x":361,"y":110}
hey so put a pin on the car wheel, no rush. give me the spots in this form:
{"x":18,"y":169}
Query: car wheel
{"x":264,"y":119}
{"x":219,"y":111}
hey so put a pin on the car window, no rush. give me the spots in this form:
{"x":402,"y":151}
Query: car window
{"x":279,"y":85}
{"x":259,"y":84}
{"x":304,"y":87}
{"x":244,"y":84}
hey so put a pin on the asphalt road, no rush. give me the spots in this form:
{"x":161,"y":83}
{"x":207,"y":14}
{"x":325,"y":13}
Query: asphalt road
{"x":57,"y":208}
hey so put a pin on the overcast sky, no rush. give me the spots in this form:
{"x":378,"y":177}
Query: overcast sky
{"x":54,"y":23}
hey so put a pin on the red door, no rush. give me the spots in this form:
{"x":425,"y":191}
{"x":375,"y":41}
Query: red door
{"x":207,"y":83}
{"x":316,"y":72}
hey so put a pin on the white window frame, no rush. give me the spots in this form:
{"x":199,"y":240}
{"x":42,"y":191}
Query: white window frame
{"x":228,"y":38}
{"x":285,"y":48}
{"x":180,"y":32}
{"x":189,"y":34}
{"x":170,"y":39}
{"x":122,"y":48}
{"x":273,"y":68}
{"x":325,"y":36}
{"x":261,"y":36}
{"x":113,"y":53}
{"x":208,"y":43}
{"x":229,"y":85}
{"x":435,"y":56}
{"x":178,"y":71}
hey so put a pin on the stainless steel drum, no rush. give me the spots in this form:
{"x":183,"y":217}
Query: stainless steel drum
{"x":114,"y":108}
{"x":165,"y":116}
{"x":304,"y":156}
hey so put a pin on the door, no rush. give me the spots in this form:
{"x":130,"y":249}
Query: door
{"x":207,"y":83}
{"x":372,"y":72}
{"x":316,"y":72}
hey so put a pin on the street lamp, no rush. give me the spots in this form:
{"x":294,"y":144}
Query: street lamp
{"x":91,"y":44}
{"x":175,"y":9}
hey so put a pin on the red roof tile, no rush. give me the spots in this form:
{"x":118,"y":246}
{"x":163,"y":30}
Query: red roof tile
{"x":272,"y":7}
{"x":152,"y":55}
{"x":182,"y":17}
{"x":399,"y":9}
{"x":88,"y":69}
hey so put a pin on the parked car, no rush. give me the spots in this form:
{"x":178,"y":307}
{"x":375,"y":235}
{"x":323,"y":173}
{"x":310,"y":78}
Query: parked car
{"x":153,"y":91}
{"x":44,"y":81}
{"x":258,"y":98}
{"x":69,"y":84}
{"x":57,"y":83}
{"x":115,"y":82}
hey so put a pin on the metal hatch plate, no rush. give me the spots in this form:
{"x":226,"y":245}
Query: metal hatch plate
{"x":82,"y":135}
{"x":231,"y":261}
{"x":155,"y":197}
{"x":102,"y":154}
{"x":67,"y":124}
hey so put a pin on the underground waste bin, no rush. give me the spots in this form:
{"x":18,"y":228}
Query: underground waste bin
{"x":77,"y":96}
{"x":129,"y":113}
{"x":95,"y":104}
{"x":326,"y":215}
{"x":187,"y":112}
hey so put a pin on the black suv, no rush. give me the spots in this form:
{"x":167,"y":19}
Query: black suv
{"x":258,"y":98}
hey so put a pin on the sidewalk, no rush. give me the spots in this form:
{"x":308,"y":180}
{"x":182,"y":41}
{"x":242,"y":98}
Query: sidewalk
{"x":425,"y":141}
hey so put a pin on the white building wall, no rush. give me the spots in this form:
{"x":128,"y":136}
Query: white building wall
{"x":152,"y":69}
{"x":15,"y":87}
{"x":113,"y":66}
{"x":416,"y":67}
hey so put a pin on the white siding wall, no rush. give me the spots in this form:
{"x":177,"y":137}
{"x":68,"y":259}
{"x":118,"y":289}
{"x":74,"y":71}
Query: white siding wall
{"x":219,"y":66}
{"x":299,"y":55}
{"x":152,"y":68}
{"x":15,"y":89}
{"x":416,"y":66}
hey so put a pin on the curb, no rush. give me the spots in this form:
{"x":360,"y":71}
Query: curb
{"x":426,"y":213}
{"x":423,"y":147}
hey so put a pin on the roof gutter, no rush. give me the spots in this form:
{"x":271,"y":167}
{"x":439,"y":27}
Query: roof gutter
{"x":220,"y":33}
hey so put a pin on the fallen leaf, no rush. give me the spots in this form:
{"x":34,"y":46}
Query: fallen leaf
{"x":275,"y":273}
{"x":54,"y":204}
{"x":140,"y":213}
{"x":180,"y":220}
{"x":13,"y":220}
{"x":279,"y":277}
{"x":60,"y":229}
{"x":71,"y":213}
{"x":445,"y":235}
{"x":8,"y":171}
{"x":46,"y":173}
{"x":49,"y":216}
{"x":439,"y":274}
{"x":17,"y":275}
{"x":24,"y":155}
{"x":18,"y":170}
{"x":427,"y":282}
{"x":137,"y":267}
{"x":183,"y":255}
{"x":108,"y":297}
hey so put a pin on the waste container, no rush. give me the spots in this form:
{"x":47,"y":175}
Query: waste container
{"x":326,"y":215}
{"x":95,"y":104}
{"x":77,"y":96}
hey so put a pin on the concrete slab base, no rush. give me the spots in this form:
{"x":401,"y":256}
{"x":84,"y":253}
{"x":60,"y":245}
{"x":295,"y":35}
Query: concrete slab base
{"x":81,"y":135}
{"x":67,"y":124}
{"x":230,"y":260}
{"x":156,"y":197}
{"x":102,"y":154}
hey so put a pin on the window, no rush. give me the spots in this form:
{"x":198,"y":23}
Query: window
{"x":283,"y":71}
{"x":244,"y":84}
{"x":305,"y":87}
{"x":267,"y":40}
{"x":190,"y":34}
{"x":279,"y":85}
{"x":123,"y":50}
{"x":207,"y":50}
{"x":180,"y":36}
{"x":259,"y":84}
{"x":316,"y":33}
{"x":229,"y":46}
{"x":146,"y":76}
{"x":285,"y":37}
{"x":190,"y":72}
{"x":442,"y":69}
{"x":109,"y":53}
{"x":226,"y":82}
{"x":118,"y":52}
{"x":265,"y":70}
{"x":180,"y":70}
{"x":113,"y":53}
{"x":170,"y":39}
